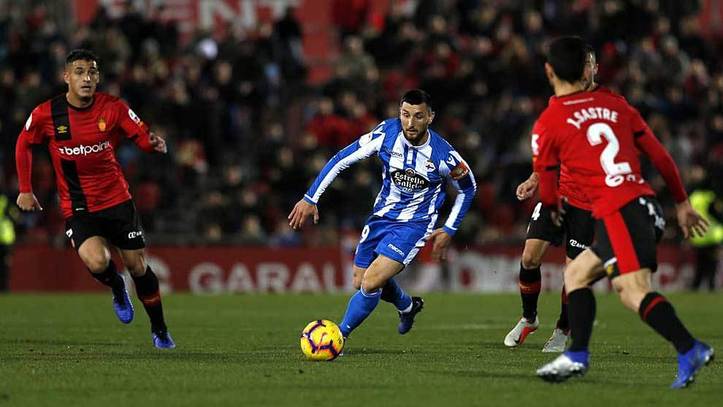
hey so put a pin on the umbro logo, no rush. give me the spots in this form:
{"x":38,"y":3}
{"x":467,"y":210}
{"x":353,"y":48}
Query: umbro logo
{"x":62,"y":129}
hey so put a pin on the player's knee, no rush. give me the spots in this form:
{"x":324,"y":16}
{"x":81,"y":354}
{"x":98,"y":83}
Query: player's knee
{"x":97,"y":262}
{"x":530,"y":259}
{"x":574,"y":277}
{"x":372,"y":283}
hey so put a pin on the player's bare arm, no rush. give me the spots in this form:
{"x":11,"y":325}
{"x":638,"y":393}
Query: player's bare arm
{"x":527,"y":189}
{"x":301,"y":211}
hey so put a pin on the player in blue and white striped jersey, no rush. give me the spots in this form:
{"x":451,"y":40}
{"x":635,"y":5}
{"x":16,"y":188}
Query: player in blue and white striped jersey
{"x":418,"y":163}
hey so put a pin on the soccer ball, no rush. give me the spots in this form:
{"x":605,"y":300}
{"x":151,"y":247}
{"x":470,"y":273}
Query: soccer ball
{"x":321,"y":340}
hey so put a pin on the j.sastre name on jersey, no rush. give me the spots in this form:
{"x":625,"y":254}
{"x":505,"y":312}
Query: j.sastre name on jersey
{"x":409,"y":181}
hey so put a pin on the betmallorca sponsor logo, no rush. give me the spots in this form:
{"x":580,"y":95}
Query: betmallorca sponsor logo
{"x":84,"y":150}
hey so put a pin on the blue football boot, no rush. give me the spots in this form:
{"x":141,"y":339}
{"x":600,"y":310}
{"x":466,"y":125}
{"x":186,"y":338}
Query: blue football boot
{"x":406,"y":319}
{"x":123,"y":306}
{"x":690,"y":363}
{"x":163,"y":340}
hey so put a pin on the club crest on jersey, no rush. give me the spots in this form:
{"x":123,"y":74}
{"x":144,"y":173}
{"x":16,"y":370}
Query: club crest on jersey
{"x":101,"y":124}
{"x":409,"y":181}
{"x":62,"y":129}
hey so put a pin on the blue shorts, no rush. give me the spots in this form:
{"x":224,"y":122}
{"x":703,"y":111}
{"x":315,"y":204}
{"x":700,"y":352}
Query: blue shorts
{"x":399,"y":241}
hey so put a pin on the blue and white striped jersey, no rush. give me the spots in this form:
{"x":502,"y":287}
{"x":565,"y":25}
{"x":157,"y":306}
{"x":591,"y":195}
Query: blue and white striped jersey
{"x":414,"y":177}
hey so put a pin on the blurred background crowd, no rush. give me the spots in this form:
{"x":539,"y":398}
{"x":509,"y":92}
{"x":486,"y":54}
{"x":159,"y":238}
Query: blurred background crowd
{"x":248,"y":131}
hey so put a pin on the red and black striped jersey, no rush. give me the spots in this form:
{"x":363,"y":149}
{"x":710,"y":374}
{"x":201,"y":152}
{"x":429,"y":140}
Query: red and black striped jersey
{"x":82,"y":143}
{"x":597,"y":136}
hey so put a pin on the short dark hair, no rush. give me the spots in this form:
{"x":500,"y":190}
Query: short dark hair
{"x":568,"y":56}
{"x":80,"y":54}
{"x":416,"y":97}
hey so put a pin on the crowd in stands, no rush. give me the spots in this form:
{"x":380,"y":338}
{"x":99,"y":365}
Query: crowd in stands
{"x":247,"y":132}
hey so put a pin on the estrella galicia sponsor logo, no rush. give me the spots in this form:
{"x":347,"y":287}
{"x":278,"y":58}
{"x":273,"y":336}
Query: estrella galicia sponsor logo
{"x":396,"y":249}
{"x":409,"y":181}
{"x":575,"y":243}
{"x":83,"y":149}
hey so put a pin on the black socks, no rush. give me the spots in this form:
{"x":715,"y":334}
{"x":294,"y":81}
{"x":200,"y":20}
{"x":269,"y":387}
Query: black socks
{"x":530,"y":282}
{"x":657,"y":312}
{"x":581,"y":312}
{"x":150,"y":296}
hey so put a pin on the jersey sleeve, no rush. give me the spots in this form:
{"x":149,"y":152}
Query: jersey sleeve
{"x":646,"y":142}
{"x":364,"y":147}
{"x":462,"y":179}
{"x":535,"y":140}
{"x":133,"y":127}
{"x":547,"y":164}
{"x":32,"y":133}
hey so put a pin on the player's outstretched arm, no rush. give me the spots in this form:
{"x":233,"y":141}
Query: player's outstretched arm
{"x":24,"y":164}
{"x":689,"y":220}
{"x":528,"y":188}
{"x":301,"y":211}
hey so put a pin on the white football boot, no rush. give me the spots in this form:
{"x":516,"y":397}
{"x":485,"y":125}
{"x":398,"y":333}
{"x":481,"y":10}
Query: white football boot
{"x":563,"y":368}
{"x":518,"y":334}
{"x":557,"y":342}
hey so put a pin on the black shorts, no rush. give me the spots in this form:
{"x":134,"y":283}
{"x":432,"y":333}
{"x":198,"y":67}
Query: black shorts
{"x":119,"y":224}
{"x":627,"y":239}
{"x":578,"y":226}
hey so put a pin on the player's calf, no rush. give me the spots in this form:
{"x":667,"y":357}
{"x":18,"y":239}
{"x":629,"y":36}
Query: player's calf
{"x":149,"y":293}
{"x":122,"y":305}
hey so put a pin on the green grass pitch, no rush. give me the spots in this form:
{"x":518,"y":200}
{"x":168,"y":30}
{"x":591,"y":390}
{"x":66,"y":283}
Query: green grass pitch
{"x":58,"y":350}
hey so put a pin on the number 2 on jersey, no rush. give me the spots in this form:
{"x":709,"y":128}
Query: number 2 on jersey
{"x":614,"y":171}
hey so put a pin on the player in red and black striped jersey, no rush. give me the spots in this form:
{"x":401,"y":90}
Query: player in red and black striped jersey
{"x":598,"y":137}
{"x":82,"y":129}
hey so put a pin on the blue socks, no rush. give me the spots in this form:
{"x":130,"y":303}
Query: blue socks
{"x":361,"y":304}
{"x":393,"y":293}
